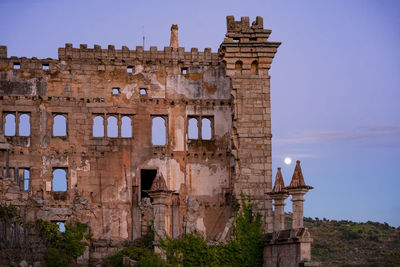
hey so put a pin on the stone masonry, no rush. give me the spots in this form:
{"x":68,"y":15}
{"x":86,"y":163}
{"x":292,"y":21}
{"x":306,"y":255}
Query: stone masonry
{"x":170,"y":136}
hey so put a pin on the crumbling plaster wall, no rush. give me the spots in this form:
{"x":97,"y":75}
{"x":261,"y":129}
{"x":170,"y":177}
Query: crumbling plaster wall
{"x":103,"y":172}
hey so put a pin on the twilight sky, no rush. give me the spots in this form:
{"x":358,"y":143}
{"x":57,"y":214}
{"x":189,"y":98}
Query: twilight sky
{"x":335,"y":80}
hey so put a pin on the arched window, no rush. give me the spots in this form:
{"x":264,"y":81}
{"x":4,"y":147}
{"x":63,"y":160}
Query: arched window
{"x":112,"y":126}
{"x":9,"y":126}
{"x":206,"y":129}
{"x":24,"y":126}
{"x":126,"y":127}
{"x":59,"y":125}
{"x":98,"y":126}
{"x":193,"y":129}
{"x":59,"y":180}
{"x":158,"y":132}
{"x":238,"y":67}
{"x":254,"y":68}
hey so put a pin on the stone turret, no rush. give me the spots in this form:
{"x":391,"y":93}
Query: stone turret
{"x":298,"y":189}
{"x":247,"y":55}
{"x":279,"y":194}
{"x":174,"y":43}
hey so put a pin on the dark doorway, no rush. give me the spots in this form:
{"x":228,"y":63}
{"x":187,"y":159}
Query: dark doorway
{"x":146,"y":180}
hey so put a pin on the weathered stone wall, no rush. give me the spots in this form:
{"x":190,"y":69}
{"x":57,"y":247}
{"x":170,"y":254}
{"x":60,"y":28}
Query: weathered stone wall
{"x":105,"y":171}
{"x":230,"y":89}
{"x":248,"y":57}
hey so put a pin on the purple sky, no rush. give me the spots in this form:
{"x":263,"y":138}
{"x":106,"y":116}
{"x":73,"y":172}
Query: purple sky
{"x":335,"y":80}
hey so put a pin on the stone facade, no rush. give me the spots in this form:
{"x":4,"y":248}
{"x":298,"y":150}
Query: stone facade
{"x":169,"y":136}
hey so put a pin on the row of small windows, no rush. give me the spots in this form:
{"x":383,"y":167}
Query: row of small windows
{"x":111,"y":126}
{"x":253,"y":67}
{"x":24,"y":125}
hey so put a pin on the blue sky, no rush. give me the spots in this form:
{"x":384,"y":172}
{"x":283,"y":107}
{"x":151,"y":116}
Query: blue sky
{"x":335,"y":80}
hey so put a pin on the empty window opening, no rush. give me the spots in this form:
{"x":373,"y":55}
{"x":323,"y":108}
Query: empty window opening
{"x":115,"y":91}
{"x":236,"y":40}
{"x":60,"y":125}
{"x":98,"y":126}
{"x":45,"y":66}
{"x":61,"y":226}
{"x":184,"y":71}
{"x":9,"y":126}
{"x":193,"y":129}
{"x":143,"y":91}
{"x":238,"y":67}
{"x":253,"y":38}
{"x":16,"y":66}
{"x":27,"y":175}
{"x":158,"y":132}
{"x":206,"y":129}
{"x":146,"y":180}
{"x":126,"y":127}
{"x":24,"y":126}
{"x":59,"y":180}
{"x":254,"y":68}
{"x":112,"y":126}
{"x":129,"y":69}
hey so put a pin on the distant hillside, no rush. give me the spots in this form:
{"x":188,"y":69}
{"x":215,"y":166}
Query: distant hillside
{"x":346,"y":243}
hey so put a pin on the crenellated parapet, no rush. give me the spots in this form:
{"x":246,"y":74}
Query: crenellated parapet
{"x":166,"y":56}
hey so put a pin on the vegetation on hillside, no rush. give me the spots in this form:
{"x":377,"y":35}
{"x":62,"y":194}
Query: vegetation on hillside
{"x":350,"y":243}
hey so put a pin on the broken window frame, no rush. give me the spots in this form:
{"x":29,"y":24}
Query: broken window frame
{"x":109,"y":125}
{"x":54,"y":115}
{"x":66,"y":178}
{"x":17,"y":115}
{"x":199,"y":119}
{"x":130,"y":117}
{"x":21,"y":178}
{"x":119,"y":117}
{"x":142,"y":193}
{"x":197,"y":127}
{"x":142,"y":89}
{"x":115,"y":91}
{"x":165,"y":117}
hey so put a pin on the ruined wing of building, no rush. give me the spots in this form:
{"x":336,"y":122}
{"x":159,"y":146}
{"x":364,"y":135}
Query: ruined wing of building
{"x":119,"y":138}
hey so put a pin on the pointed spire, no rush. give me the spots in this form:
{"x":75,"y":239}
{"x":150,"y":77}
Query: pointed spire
{"x":174,"y":43}
{"x":279,"y":186}
{"x":297,"y":178}
{"x":159,"y":184}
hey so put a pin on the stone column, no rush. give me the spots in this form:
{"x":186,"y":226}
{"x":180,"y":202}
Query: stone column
{"x":279,"y":212}
{"x":279,"y":194}
{"x":160,"y":201}
{"x":297,"y":206}
{"x":298,"y":189}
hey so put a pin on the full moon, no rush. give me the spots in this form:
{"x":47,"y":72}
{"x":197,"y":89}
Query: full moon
{"x":288,"y":161}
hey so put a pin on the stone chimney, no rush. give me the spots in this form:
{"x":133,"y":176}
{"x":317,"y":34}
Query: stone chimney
{"x":174,"y":43}
{"x":298,"y":189}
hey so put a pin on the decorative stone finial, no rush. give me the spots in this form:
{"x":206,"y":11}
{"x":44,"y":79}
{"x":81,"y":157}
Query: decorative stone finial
{"x":279,"y":186}
{"x":174,"y":43}
{"x":159,"y":184}
{"x":298,"y":179}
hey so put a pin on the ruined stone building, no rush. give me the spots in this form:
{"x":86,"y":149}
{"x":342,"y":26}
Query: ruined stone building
{"x":117,"y":138}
